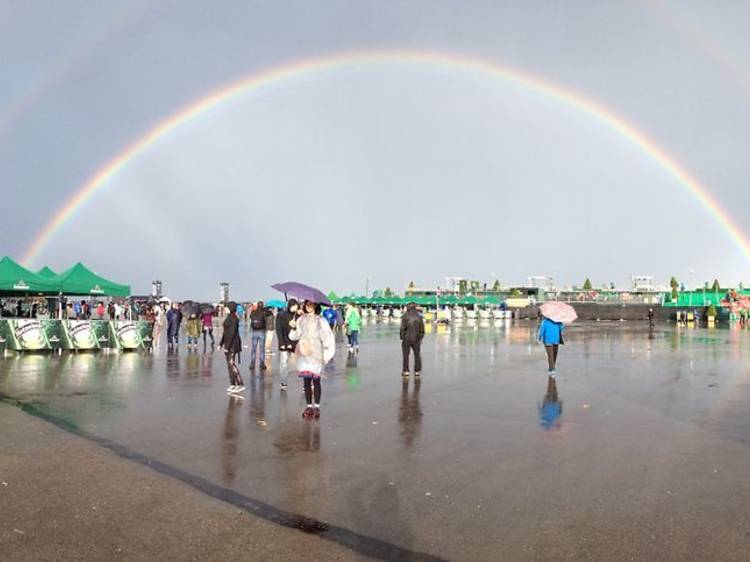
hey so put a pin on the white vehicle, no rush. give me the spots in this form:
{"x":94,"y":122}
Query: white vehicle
{"x":457,"y":313}
{"x":484,"y":314}
{"x":471,"y":314}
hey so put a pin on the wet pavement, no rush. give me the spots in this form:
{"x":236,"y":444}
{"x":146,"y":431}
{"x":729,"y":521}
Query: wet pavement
{"x":640,"y":449}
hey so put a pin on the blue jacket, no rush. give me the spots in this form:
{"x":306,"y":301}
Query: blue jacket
{"x":330,"y":315}
{"x":550,"y":333}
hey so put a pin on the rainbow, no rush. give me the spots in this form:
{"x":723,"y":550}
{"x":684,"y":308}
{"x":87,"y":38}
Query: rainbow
{"x":311,"y":66}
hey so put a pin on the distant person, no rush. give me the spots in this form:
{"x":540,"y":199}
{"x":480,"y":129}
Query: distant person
{"x":207,"y":322}
{"x":77,"y":309}
{"x":412,"y":332}
{"x":100,"y":310}
{"x":241,"y":312}
{"x":330,"y":315}
{"x":270,"y":329}
{"x":174,"y":319}
{"x":158,"y":324}
{"x":650,"y":316}
{"x":551,"y":335}
{"x":231,"y":343}
{"x":111,"y":310}
{"x":193,"y":330}
{"x":316,"y":346}
{"x":284,"y":325}
{"x":353,"y":323}
{"x":258,"y":336}
{"x":339,"y":319}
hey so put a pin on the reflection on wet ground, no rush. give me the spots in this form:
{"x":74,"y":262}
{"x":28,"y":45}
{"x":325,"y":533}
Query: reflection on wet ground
{"x":654,"y":438}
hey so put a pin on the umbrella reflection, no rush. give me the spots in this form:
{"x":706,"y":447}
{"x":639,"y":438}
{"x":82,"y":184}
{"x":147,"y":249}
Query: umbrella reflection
{"x":550,"y":410}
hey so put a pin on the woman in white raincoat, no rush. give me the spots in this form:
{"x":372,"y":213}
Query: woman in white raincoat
{"x":316,"y":346}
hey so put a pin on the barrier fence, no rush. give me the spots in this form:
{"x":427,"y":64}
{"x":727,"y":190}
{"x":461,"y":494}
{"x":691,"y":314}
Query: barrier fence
{"x":51,"y":334}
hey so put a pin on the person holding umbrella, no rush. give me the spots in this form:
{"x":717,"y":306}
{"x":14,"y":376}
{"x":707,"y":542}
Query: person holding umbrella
{"x":316,"y":346}
{"x":554,"y":315}
{"x":207,"y":321}
{"x":232,"y":345}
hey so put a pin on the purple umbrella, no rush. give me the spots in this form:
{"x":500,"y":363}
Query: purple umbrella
{"x":302,"y":292}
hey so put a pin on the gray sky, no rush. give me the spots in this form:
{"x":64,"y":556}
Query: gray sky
{"x":393,"y":172}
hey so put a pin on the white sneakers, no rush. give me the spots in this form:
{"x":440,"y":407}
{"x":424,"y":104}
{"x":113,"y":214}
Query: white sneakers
{"x":235,"y":388}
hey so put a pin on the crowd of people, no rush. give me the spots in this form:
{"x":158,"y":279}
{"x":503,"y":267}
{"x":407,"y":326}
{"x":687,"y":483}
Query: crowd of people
{"x":305,"y":334}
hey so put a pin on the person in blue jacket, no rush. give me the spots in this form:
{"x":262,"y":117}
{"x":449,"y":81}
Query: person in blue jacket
{"x":551,"y":335}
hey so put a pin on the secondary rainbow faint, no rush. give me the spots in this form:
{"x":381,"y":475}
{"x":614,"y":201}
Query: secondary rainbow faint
{"x":460,"y":63}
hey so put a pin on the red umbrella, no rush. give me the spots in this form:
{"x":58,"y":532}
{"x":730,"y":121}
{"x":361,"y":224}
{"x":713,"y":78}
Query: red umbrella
{"x":558,"y":312}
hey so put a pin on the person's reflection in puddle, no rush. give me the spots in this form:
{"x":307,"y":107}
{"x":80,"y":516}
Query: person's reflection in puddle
{"x":311,"y":437}
{"x":409,"y":413}
{"x":207,"y":361}
{"x":352,"y":374}
{"x":173,"y":363}
{"x":229,"y":440}
{"x":550,"y":410}
{"x":258,"y":399}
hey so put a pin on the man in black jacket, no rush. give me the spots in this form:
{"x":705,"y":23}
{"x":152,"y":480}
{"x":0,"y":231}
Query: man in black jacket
{"x":412,"y":332}
{"x":284,"y":325}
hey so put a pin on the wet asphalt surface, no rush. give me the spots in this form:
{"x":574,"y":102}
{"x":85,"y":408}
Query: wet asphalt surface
{"x":640,"y":449}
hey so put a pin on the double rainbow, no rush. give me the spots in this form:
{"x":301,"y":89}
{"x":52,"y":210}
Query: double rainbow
{"x":301,"y":68}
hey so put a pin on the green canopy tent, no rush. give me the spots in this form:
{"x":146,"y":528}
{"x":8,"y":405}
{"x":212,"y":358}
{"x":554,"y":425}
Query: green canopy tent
{"x":449,"y":300}
{"x":17,"y":280}
{"x":80,"y":280}
{"x":333,"y":297}
{"x":46,"y":272}
{"x":491,"y":301}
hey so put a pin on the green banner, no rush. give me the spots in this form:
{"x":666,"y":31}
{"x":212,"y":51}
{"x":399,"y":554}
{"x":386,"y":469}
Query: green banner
{"x":127,"y":334}
{"x":146,"y":331}
{"x":7,"y":337}
{"x":39,"y":335}
{"x":30,"y":335}
{"x":56,"y":334}
{"x":103,"y":334}
{"x":82,"y":335}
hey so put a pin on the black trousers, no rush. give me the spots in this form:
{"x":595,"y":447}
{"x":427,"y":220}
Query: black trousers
{"x":414,"y":346}
{"x":235,"y":378}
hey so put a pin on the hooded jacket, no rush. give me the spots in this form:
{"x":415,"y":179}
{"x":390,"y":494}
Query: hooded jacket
{"x":283,"y":329}
{"x":412,"y":326}
{"x":230,"y":338}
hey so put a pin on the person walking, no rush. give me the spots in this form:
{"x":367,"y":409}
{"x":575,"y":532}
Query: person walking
{"x":258,"y":336}
{"x":551,"y":335}
{"x":193,"y":329}
{"x":231,"y":343}
{"x":158,"y":324}
{"x":207,"y":322}
{"x":286,"y":344}
{"x":270,"y":329}
{"x":174,"y":319}
{"x":316,"y":346}
{"x":412,"y":332}
{"x":353,"y":322}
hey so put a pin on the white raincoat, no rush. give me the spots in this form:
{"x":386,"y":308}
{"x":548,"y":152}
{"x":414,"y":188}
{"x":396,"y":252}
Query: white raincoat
{"x":316,"y":344}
